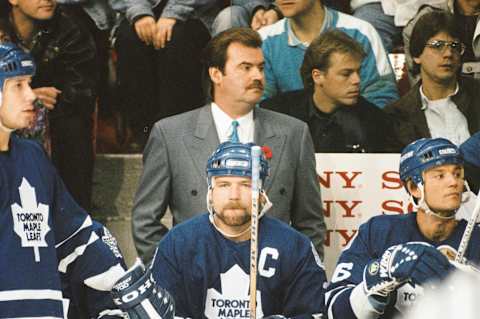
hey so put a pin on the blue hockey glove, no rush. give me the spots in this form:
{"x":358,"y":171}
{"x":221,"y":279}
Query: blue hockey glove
{"x":137,"y":294}
{"x":414,"y":262}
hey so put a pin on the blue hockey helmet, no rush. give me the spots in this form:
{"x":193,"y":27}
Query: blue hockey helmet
{"x":234,"y":159}
{"x":14,"y":62}
{"x":424,"y":154}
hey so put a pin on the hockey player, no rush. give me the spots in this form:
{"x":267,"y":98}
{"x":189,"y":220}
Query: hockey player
{"x":381,"y":271}
{"x":56,"y":262}
{"x":204,"y":262}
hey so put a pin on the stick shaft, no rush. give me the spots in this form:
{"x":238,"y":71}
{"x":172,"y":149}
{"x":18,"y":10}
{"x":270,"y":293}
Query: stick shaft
{"x":467,"y":233}
{"x":256,"y":153}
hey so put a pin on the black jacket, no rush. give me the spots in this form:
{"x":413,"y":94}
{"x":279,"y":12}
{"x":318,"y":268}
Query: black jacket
{"x":65,"y":57}
{"x":349,"y":129}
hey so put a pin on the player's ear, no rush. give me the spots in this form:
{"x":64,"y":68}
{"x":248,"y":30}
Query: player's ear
{"x":413,"y":189}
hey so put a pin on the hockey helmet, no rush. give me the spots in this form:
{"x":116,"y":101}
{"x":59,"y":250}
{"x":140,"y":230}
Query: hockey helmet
{"x":234,"y":159}
{"x":14,"y":62}
{"x":424,"y":154}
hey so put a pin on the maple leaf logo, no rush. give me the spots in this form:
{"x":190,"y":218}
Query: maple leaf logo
{"x":234,"y":301}
{"x":30,"y":221}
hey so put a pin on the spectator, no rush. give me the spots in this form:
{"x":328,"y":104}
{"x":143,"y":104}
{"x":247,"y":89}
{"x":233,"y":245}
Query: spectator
{"x":339,"y":119}
{"x":442,"y":103}
{"x":285,"y":43}
{"x":65,"y":83}
{"x":98,"y":18}
{"x":466,"y":13}
{"x":179,"y":146}
{"x":202,"y":260}
{"x":389,"y":16}
{"x":161,"y":43}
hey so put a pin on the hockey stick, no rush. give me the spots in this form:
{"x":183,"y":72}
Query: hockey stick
{"x":256,"y":153}
{"x":467,"y":233}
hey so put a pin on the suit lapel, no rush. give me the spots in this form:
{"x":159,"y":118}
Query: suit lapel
{"x":267,"y":135}
{"x":204,"y":140}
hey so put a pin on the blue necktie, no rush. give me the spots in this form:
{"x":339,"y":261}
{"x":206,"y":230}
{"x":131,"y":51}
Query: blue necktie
{"x":234,"y":136}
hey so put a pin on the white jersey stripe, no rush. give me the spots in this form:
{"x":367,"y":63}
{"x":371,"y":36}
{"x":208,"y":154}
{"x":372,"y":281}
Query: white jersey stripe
{"x":63,"y":264}
{"x":33,"y":294}
{"x":87,"y":223}
{"x":152,"y":313}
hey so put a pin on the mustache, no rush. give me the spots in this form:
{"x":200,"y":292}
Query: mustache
{"x":256,"y":85}
{"x":234,"y":205}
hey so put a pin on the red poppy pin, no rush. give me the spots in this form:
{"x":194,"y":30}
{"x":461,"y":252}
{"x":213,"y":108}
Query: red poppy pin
{"x":267,"y":151}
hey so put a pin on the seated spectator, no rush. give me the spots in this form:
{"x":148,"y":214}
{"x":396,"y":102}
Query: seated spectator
{"x":285,"y":43}
{"x":204,"y":262}
{"x":442,"y":103}
{"x":65,"y":83}
{"x":339,"y":118}
{"x":389,"y":16}
{"x":466,"y":13}
{"x":160,"y":42}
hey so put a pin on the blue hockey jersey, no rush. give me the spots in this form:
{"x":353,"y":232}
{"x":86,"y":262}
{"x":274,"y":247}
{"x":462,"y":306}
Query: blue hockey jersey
{"x":371,"y":240}
{"x":208,"y":275}
{"x":54,"y":260}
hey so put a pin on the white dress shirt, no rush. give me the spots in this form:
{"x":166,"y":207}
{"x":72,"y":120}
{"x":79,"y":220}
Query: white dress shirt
{"x":444,"y":119}
{"x":223,"y":124}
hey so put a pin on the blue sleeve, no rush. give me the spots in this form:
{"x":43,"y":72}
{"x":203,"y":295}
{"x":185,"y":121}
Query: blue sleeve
{"x":271,"y":86}
{"x":90,"y":263}
{"x":305,"y":294}
{"x":348,"y":274}
{"x":168,"y":275}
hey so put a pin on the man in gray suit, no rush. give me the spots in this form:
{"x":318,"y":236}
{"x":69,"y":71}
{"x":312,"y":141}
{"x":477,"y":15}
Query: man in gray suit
{"x":179,"y":146}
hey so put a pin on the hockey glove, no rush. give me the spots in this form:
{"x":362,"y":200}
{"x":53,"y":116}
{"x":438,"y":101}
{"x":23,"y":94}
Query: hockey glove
{"x":414,"y":262}
{"x":137,"y":294}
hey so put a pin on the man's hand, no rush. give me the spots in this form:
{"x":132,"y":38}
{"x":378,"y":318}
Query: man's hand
{"x":146,"y":29}
{"x":263,"y":18}
{"x":164,"y":32}
{"x":48,"y":96}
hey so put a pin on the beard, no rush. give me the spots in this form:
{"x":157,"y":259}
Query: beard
{"x":229,"y":217}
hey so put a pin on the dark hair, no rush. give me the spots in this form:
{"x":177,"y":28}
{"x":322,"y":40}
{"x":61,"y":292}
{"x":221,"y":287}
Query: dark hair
{"x":318,"y":53}
{"x":427,"y":27}
{"x":216,"y":50}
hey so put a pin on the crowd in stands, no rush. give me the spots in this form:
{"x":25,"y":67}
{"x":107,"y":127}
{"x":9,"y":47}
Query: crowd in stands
{"x":323,"y":66}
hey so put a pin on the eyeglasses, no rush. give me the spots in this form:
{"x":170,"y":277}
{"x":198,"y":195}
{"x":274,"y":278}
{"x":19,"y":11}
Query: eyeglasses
{"x":440,"y":46}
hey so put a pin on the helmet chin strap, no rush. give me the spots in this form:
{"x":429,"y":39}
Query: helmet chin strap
{"x":266,"y":206}
{"x":422,"y":203}
{"x":3,"y":128}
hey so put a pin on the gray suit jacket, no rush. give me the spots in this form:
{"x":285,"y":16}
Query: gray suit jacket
{"x":174,"y":164}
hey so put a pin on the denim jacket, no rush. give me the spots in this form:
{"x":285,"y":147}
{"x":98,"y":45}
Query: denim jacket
{"x":204,"y":10}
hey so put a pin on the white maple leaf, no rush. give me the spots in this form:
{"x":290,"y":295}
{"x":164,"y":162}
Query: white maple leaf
{"x":30,"y":220}
{"x":234,"y":301}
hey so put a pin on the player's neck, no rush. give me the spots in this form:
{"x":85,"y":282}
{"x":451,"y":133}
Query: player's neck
{"x":434,"y":228}
{"x":233,"y":233}
{"x":307,"y":26}
{"x":4,"y":139}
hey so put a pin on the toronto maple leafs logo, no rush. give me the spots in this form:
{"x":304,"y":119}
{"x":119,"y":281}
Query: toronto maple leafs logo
{"x":30,"y":220}
{"x":234,"y":301}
